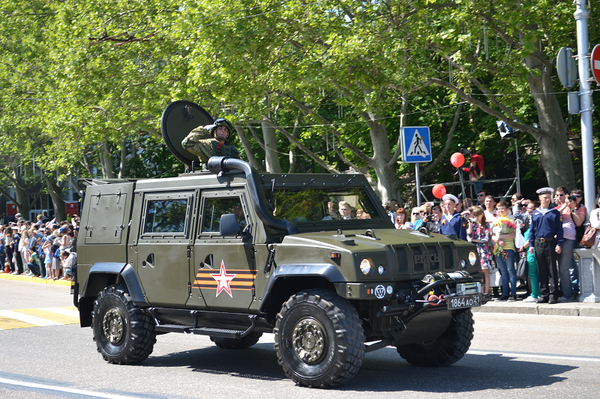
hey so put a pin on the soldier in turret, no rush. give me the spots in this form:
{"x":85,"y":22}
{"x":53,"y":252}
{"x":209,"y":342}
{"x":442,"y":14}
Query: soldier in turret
{"x":211,"y":140}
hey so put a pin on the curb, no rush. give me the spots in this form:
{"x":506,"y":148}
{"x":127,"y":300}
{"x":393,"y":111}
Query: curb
{"x":5,"y":276}
{"x":560,"y":309}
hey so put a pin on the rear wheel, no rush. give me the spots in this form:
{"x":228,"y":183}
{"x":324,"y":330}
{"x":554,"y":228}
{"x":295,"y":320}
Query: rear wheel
{"x":242,"y":343}
{"x":124,"y":334}
{"x":447,"y":349}
{"x":319,"y":339}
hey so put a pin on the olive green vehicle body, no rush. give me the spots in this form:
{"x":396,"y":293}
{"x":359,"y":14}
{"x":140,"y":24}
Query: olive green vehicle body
{"x":192,"y":278}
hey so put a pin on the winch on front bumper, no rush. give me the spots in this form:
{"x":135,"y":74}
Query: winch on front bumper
{"x":441,"y":290}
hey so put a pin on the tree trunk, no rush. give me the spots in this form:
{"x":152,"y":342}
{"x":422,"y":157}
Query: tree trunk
{"x":21,"y":197}
{"x":108,"y":171}
{"x":555,"y":157}
{"x":247,"y":147}
{"x":123,"y":159}
{"x":55,"y":191}
{"x":271,"y":155}
{"x":388,"y":186}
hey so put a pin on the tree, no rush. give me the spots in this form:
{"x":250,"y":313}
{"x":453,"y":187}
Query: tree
{"x":328,"y":83}
{"x":496,"y":80}
{"x":370,"y":57}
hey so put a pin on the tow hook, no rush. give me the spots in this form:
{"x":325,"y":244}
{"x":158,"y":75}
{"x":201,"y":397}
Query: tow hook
{"x":435,"y":300}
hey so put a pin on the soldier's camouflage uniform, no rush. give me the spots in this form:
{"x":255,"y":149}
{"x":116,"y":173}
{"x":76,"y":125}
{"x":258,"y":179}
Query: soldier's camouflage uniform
{"x":202,"y":144}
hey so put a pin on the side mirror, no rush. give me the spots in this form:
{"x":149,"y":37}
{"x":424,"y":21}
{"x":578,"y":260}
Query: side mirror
{"x":229,"y":225}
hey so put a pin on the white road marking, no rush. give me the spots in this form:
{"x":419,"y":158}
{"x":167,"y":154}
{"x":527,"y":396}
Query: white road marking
{"x":38,"y":321}
{"x":65,"y":312}
{"x":90,"y":394}
{"x":536,"y":356}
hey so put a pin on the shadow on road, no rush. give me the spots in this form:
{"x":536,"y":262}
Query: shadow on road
{"x":381,"y":371}
{"x":258,"y":362}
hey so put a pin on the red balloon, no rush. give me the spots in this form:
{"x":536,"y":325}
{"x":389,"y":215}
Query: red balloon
{"x":439,"y":191}
{"x":457,"y":159}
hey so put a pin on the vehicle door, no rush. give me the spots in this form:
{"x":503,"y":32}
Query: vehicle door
{"x":163,"y":247}
{"x":224,"y":265}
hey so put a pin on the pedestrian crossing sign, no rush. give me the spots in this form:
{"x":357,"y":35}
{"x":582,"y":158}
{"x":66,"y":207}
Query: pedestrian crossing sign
{"x":416,"y":144}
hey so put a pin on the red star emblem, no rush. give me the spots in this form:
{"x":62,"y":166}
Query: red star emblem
{"x":223,"y":279}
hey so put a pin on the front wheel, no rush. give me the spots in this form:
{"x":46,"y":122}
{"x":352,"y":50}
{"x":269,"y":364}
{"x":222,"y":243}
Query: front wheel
{"x":124,"y":334}
{"x":447,"y":349}
{"x":319,"y":339}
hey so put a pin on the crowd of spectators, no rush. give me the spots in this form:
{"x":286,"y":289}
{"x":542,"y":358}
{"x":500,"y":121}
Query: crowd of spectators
{"x":43,"y":249}
{"x":544,"y":232}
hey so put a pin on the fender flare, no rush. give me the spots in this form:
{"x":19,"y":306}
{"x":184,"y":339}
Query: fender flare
{"x":117,"y":271}
{"x":322,"y":270}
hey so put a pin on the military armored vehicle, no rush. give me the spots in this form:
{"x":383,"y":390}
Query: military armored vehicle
{"x":232,"y":253}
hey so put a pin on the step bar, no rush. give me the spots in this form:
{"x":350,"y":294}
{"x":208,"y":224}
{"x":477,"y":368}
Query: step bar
{"x":210,"y":331}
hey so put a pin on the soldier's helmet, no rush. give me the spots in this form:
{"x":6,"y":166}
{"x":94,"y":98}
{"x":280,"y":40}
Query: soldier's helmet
{"x":221,"y":122}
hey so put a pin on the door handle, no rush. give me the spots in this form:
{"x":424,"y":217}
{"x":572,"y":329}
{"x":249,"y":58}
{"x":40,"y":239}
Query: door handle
{"x":149,"y":261}
{"x":208,"y":262}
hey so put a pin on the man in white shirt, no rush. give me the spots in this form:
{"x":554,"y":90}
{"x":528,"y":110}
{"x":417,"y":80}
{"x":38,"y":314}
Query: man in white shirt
{"x":490,"y":209}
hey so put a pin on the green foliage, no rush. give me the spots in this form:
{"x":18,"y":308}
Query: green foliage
{"x":78,"y":77}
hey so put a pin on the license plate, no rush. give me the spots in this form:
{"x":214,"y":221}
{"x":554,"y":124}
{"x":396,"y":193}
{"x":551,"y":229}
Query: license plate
{"x":463,"y":301}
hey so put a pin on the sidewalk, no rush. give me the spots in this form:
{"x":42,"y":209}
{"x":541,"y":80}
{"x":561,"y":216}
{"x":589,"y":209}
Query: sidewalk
{"x":23,"y":277}
{"x":586,"y":309}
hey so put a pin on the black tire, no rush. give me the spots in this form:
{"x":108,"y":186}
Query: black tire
{"x":319,"y":339}
{"x":242,"y":343}
{"x":124,"y":333}
{"x":449,"y":348}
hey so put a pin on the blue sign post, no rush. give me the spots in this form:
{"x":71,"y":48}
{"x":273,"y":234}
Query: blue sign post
{"x":416,"y":148}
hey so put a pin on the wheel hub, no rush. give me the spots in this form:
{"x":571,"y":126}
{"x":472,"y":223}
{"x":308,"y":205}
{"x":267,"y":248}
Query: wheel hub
{"x":309,"y":340}
{"x":113,"y":326}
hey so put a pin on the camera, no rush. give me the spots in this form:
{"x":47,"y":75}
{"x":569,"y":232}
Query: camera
{"x":473,"y":220}
{"x":572,"y":198}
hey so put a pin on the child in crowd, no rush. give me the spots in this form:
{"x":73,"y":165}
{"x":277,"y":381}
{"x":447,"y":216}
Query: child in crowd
{"x":34,"y":264}
{"x":46,"y":247}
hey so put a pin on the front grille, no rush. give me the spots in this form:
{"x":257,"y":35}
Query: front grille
{"x":424,"y":259}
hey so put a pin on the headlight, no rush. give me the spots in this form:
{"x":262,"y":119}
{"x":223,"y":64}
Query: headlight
{"x":463,"y":264}
{"x":366,"y":265}
{"x":472,"y":258}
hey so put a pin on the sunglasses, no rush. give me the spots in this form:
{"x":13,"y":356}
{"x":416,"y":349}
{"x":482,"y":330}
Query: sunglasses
{"x":578,"y":196}
{"x":416,"y":213}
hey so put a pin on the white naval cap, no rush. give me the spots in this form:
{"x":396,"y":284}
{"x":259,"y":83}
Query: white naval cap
{"x":450,"y":197}
{"x":545,"y":190}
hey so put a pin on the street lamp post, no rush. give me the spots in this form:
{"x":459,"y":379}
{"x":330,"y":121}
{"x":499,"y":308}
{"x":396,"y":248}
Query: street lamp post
{"x":586,"y":105}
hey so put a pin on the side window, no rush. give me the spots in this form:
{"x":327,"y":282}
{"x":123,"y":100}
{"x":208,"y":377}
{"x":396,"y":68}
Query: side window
{"x":214,"y":208}
{"x":165,"y":216}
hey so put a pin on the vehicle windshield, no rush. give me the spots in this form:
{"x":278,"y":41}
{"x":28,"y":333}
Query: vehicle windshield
{"x":320,"y":204}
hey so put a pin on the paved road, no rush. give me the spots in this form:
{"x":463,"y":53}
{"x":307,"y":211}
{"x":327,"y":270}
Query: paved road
{"x":512,"y":355}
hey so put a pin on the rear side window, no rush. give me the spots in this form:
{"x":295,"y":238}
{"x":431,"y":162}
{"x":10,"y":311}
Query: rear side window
{"x":165,"y":216}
